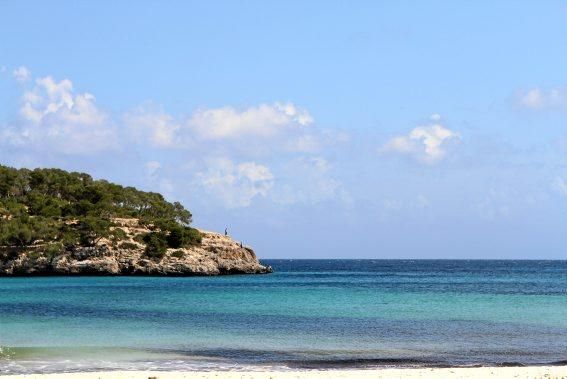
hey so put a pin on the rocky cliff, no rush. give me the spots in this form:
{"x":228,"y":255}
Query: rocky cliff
{"x":216,"y":255}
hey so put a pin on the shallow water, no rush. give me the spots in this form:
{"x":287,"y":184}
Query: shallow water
{"x":313,"y":313}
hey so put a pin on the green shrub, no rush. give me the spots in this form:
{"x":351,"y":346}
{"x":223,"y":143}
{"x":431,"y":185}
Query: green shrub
{"x":182,"y":237}
{"x":16,"y":232}
{"x":92,"y":229}
{"x":68,"y":236}
{"x":161,"y":224}
{"x":128,"y":246}
{"x":175,"y":238}
{"x":156,"y":245}
{"x":54,"y":249}
{"x":118,"y":234}
{"x":8,"y":255}
{"x":178,"y":254}
{"x":192,"y":236}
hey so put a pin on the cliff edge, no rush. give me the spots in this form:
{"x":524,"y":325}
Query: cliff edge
{"x":215,"y":255}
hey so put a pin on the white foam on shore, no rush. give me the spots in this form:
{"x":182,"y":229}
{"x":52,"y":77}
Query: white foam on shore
{"x":66,"y":366}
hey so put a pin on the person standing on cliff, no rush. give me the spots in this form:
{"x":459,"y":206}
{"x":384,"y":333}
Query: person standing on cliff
{"x":226,"y":231}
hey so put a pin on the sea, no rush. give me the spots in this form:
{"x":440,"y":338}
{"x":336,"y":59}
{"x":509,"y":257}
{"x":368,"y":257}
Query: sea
{"x":308,"y":314}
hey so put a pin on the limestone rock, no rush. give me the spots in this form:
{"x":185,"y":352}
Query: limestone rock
{"x":216,"y":255}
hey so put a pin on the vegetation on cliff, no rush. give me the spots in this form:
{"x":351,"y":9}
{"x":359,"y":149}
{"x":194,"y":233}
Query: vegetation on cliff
{"x":61,"y":210}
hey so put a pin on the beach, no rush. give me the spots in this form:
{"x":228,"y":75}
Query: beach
{"x":441,"y":373}
{"x":283,"y":189}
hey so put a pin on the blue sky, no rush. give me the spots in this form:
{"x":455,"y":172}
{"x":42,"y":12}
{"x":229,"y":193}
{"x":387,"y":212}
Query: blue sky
{"x":430,"y":129}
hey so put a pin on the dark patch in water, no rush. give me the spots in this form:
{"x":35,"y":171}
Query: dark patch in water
{"x":510,"y":364}
{"x":364,"y":363}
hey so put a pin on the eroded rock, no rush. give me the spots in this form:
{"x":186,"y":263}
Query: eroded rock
{"x":216,"y":255}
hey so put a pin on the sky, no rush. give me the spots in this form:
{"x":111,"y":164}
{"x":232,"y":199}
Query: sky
{"x":318,"y":129}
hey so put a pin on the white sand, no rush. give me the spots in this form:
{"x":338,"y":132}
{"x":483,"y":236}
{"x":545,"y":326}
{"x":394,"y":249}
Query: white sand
{"x":544,"y":372}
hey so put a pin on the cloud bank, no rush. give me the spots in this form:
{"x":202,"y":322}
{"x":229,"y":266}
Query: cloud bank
{"x":226,"y":152}
{"x":538,"y":99}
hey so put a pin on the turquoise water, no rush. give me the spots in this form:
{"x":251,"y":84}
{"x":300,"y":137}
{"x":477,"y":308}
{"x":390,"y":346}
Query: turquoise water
{"x":313,"y":313}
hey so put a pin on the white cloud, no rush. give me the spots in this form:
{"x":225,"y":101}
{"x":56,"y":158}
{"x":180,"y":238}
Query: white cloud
{"x":308,"y":180}
{"x":54,"y":117}
{"x":57,"y":120}
{"x":306,"y":143}
{"x":559,"y":185}
{"x":155,"y":177}
{"x":420,"y":202}
{"x":426,"y":143}
{"x":154,"y":126}
{"x":541,"y":99}
{"x":46,"y":98}
{"x":236,"y":185}
{"x":22,"y":74}
{"x":254,"y":131}
{"x":260,"y":121}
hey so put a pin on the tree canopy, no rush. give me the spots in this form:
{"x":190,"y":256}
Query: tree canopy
{"x":71,"y":208}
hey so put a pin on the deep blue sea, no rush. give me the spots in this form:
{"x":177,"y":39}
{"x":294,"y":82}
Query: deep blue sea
{"x":308,"y":314}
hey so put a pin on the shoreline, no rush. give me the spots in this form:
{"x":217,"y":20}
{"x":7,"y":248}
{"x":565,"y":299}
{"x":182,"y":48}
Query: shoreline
{"x":450,"y":372}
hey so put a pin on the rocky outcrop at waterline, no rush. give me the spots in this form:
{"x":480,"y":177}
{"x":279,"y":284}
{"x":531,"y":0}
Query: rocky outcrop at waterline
{"x":215,"y":255}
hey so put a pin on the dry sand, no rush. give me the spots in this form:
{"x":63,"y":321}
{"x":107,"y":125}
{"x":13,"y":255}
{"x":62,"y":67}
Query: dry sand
{"x":544,"y":372}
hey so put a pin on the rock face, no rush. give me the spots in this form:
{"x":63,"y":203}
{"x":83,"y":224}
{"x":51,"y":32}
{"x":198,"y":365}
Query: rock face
{"x":216,"y":255}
